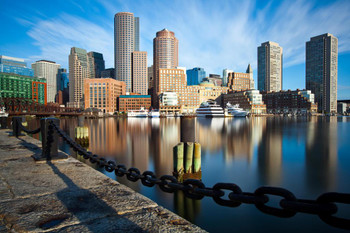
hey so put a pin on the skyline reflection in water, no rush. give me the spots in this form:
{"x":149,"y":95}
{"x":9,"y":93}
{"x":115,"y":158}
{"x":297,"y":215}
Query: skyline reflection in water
{"x":307,"y":156}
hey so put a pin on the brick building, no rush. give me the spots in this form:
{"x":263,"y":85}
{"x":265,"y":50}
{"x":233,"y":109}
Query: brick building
{"x":102,"y":93}
{"x":133,"y":102}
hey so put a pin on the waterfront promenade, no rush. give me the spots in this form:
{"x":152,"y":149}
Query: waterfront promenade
{"x":69,"y":196}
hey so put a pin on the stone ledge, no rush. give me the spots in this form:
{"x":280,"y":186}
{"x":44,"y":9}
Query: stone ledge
{"x":70,"y":196}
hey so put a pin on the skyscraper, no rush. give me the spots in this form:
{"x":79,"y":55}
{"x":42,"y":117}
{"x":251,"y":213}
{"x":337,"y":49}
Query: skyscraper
{"x":139,"y":73}
{"x":62,"y":79}
{"x":78,"y":71}
{"x":126,"y":41}
{"x":195,"y":76}
{"x":165,"y":56}
{"x":48,"y":70}
{"x":96,"y":64}
{"x":270,"y":63}
{"x":322,"y":70}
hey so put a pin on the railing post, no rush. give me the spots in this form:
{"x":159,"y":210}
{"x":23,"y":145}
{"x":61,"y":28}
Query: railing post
{"x":15,"y":126}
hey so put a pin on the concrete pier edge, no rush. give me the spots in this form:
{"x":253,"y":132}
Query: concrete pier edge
{"x":69,"y":196}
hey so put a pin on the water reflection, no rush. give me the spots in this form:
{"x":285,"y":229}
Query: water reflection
{"x":321,"y":153}
{"x":300,"y":154}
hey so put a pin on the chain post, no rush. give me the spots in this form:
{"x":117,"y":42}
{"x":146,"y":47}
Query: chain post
{"x":3,"y":122}
{"x":15,"y":126}
{"x":49,"y":140}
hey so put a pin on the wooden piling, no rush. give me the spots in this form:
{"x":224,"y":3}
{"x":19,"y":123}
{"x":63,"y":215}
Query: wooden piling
{"x":188,"y":157}
{"x":197,"y":157}
{"x":179,"y":158}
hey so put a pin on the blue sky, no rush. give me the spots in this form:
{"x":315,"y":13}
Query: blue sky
{"x":212,"y":34}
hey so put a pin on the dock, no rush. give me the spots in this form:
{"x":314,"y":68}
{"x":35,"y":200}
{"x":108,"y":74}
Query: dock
{"x":69,"y":196}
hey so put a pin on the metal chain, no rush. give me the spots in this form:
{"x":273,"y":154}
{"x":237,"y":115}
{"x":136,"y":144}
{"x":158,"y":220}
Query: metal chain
{"x":35,"y":131}
{"x":324,"y":206}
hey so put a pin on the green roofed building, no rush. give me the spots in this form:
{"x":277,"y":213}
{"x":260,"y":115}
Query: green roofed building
{"x":26,"y":87}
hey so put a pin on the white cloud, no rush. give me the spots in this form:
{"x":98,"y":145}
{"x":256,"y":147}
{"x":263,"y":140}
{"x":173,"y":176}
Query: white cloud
{"x":56,"y":36}
{"x":212,"y":34}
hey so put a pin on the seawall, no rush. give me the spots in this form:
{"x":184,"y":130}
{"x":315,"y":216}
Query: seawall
{"x":70,"y":196}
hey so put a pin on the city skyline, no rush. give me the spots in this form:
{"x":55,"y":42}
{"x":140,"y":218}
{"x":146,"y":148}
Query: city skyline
{"x":213,"y":44}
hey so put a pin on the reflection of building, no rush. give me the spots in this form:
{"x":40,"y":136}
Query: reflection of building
{"x":15,"y":66}
{"x":270,"y":63}
{"x":321,"y":154}
{"x":102,"y":93}
{"x":26,"y":87}
{"x":270,"y":153}
{"x":133,"y":102}
{"x":289,"y":101}
{"x":322,"y":70}
{"x":195,"y":76}
{"x":241,"y":81}
{"x":48,"y":70}
{"x":248,"y":100}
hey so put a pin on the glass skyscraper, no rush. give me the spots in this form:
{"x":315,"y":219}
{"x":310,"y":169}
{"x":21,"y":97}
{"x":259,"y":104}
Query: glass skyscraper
{"x":195,"y":76}
{"x":15,"y":66}
{"x":62,"y":79}
{"x":322,"y":70}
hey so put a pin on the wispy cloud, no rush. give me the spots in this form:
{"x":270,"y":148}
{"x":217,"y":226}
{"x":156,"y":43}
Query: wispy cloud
{"x":212,"y":34}
{"x":56,"y":36}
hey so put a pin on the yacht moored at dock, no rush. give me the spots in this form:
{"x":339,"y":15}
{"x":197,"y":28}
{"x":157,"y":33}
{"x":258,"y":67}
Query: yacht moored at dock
{"x":138,"y":113}
{"x":210,"y":109}
{"x":235,"y":111}
{"x":154,"y":113}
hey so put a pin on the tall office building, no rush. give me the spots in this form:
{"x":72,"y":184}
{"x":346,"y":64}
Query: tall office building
{"x":270,"y":63}
{"x":165,"y":56}
{"x":15,"y":66}
{"x":48,"y":70}
{"x":322,"y":70}
{"x":79,"y":70}
{"x":225,"y":73}
{"x":96,"y":64}
{"x":126,"y":41}
{"x":139,"y":73}
{"x":195,"y":76}
{"x":62,"y":79}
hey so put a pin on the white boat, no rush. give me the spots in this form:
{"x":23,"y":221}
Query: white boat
{"x":210,"y":109}
{"x":3,"y":113}
{"x":138,"y":113}
{"x":235,"y":110}
{"x":154,"y":113}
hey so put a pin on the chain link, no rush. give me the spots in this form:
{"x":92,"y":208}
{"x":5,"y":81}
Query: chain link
{"x":325,"y":205}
